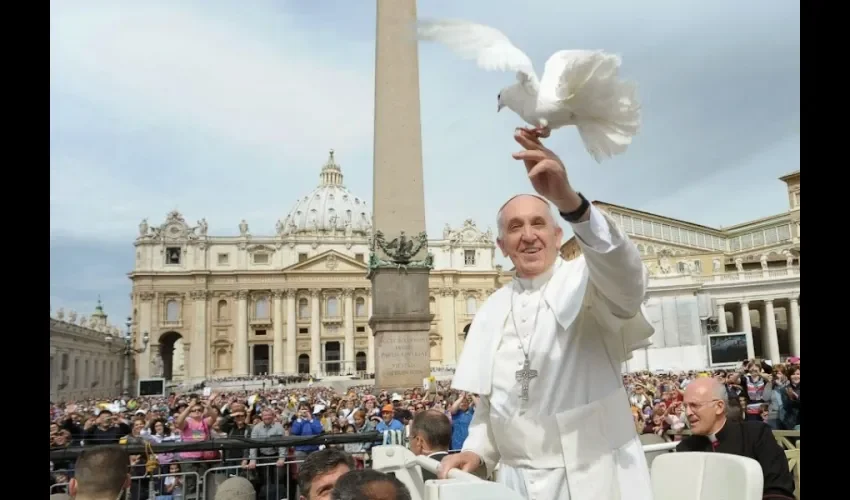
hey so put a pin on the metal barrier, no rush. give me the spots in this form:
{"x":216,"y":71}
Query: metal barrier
{"x":272,"y":482}
{"x":275,"y":482}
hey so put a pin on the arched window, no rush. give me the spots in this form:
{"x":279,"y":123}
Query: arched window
{"x":223,"y":312}
{"x":333,"y":307}
{"x":360,"y":307}
{"x":304,"y":363}
{"x":172,"y":311}
{"x":261,"y":308}
{"x":432,"y":305}
{"x":303,"y":308}
{"x":360,"y":361}
{"x":471,"y":305}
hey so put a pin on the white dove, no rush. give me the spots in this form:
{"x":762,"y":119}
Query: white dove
{"x":579,"y":87}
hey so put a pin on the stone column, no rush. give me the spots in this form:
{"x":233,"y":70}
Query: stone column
{"x":187,"y":352}
{"x":747,"y":328}
{"x":146,"y":322}
{"x":370,"y":355}
{"x":291,"y":364}
{"x":277,"y":319}
{"x":794,"y":326}
{"x":769,"y":330}
{"x":721,"y":318}
{"x":197,"y":363}
{"x":765,"y":346}
{"x":348,"y":364}
{"x":448,"y":325}
{"x":401,"y":319}
{"x":315,"y":332}
{"x":240,"y":347}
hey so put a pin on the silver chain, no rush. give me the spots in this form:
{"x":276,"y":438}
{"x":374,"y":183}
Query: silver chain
{"x":527,"y":353}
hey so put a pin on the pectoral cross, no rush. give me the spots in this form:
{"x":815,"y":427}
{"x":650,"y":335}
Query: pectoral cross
{"x":524,"y":377}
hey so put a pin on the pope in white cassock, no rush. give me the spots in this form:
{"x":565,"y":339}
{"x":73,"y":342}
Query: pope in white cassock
{"x":544,"y":354}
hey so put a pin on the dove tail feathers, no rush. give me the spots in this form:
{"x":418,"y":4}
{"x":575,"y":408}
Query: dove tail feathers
{"x":606,"y":108}
{"x":612,"y":132}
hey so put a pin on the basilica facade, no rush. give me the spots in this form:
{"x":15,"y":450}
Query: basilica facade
{"x":743,"y":278}
{"x":290,"y":299}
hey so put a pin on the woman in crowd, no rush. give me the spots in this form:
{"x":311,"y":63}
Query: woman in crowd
{"x":791,"y":400}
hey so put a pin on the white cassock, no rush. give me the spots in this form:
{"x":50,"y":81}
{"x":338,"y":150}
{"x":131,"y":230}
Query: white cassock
{"x":575,"y":437}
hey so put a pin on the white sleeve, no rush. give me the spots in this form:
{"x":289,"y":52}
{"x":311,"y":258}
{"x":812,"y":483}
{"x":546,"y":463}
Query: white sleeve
{"x":480,"y":439}
{"x":614,"y":264}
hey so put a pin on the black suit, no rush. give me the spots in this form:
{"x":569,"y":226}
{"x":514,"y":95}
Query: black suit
{"x":754,"y":440}
{"x":438,"y":456}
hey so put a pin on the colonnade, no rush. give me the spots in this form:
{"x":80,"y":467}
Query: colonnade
{"x":285,"y":339}
{"x":741,"y":322}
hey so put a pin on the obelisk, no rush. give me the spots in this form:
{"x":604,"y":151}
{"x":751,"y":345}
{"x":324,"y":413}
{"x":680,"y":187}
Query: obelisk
{"x":399,"y":263}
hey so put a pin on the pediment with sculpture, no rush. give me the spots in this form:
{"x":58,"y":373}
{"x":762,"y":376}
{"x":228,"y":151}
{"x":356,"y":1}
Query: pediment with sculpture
{"x":468,"y":233}
{"x":174,"y":229}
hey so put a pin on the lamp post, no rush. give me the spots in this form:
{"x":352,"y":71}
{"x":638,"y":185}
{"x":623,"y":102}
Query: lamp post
{"x":126,"y":349}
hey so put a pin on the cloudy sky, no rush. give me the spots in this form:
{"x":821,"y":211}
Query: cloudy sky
{"x":226,"y":110}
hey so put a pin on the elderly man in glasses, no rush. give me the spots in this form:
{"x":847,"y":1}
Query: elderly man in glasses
{"x":705,"y":405}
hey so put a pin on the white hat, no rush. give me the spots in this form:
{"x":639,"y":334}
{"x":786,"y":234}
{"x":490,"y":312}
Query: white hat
{"x":318,"y":408}
{"x":396,"y":397}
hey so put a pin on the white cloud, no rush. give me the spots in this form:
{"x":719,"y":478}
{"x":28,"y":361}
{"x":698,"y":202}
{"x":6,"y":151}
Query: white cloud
{"x":190,"y":79}
{"x":177,"y":66}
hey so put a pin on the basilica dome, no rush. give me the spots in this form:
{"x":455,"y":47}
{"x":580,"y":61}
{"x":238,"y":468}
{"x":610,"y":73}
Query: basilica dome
{"x":330,"y":208}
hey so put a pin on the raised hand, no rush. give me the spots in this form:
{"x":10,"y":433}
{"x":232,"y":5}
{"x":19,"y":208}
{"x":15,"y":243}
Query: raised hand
{"x":546,"y":172}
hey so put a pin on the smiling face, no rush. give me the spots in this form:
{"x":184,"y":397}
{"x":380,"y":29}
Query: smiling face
{"x":529,"y":235}
{"x":795,"y":377}
{"x":705,"y":408}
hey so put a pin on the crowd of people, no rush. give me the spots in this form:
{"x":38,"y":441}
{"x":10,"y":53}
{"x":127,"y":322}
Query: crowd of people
{"x":757,"y":391}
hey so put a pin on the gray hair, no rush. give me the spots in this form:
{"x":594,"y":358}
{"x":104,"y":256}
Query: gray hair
{"x":500,"y":226}
{"x":235,"y":488}
{"x":720,"y":393}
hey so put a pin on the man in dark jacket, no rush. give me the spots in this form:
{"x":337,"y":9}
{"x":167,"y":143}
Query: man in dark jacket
{"x":705,"y":403}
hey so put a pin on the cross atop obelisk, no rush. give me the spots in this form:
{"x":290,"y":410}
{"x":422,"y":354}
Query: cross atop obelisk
{"x":399,"y":263}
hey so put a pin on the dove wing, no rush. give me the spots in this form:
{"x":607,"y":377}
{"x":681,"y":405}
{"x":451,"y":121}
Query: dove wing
{"x":583,"y":88}
{"x":489,"y":47}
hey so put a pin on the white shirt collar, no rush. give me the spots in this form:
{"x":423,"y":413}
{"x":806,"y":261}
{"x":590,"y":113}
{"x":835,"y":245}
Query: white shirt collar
{"x":537,"y":282}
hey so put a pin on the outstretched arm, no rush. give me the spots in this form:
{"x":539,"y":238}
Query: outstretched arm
{"x":614,"y":263}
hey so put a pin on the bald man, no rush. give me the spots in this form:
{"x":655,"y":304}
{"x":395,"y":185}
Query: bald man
{"x":545,"y":352}
{"x":705,"y":403}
